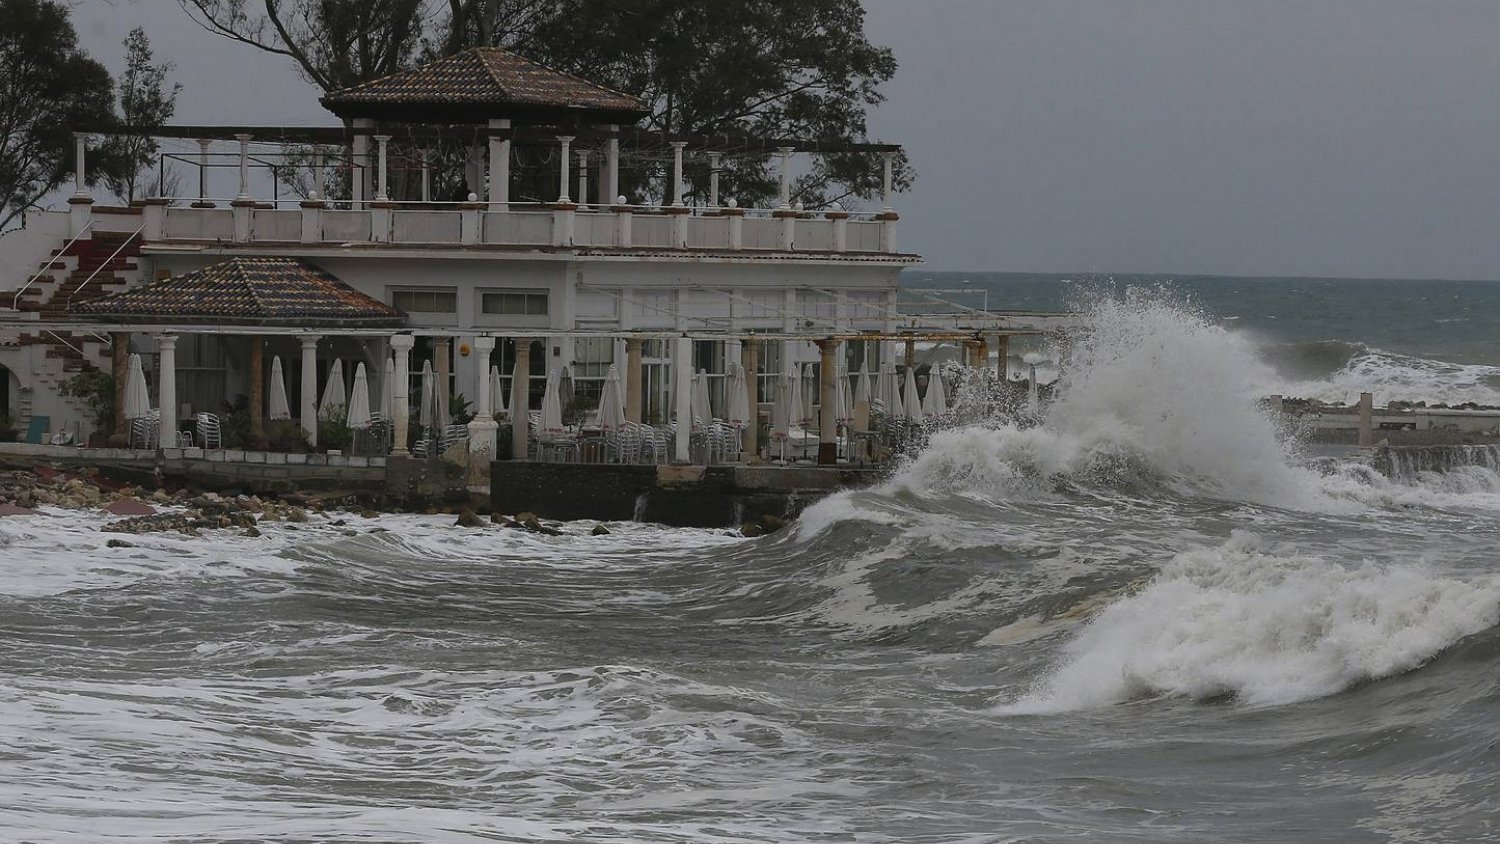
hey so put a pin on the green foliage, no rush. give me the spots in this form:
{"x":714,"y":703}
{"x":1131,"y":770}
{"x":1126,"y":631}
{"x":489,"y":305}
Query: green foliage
{"x":578,"y":408}
{"x":333,"y":429}
{"x":146,"y":102}
{"x":460,"y":409}
{"x":48,"y":87}
{"x":287,"y":435}
{"x":97,"y":389}
{"x":767,"y":68}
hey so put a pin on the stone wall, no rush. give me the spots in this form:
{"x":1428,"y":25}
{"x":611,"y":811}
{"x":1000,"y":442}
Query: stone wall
{"x":684,"y":496}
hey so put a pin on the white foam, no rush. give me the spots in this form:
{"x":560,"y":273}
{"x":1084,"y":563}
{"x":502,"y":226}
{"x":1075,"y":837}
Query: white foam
{"x":1264,"y":627}
{"x":1390,"y":375}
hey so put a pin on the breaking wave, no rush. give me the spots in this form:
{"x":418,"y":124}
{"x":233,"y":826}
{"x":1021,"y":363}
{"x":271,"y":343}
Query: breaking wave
{"x":1338,"y":371}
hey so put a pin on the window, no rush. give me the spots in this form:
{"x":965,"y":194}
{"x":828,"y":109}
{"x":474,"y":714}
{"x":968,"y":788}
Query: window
{"x":515,"y":303}
{"x":438,"y":300}
{"x":592,"y":357}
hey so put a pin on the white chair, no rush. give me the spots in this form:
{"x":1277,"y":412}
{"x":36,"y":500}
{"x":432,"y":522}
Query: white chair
{"x":206,"y":427}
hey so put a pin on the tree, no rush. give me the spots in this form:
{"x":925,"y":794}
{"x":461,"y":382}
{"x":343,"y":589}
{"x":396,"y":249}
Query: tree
{"x":146,"y":102}
{"x":335,"y":43}
{"x":48,"y":88}
{"x":767,"y":69}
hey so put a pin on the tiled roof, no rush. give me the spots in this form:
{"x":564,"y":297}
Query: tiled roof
{"x":246,"y":291}
{"x":478,"y":78}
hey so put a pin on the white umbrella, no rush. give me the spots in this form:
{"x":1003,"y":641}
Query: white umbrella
{"x":781,"y":408}
{"x":935,"y":403}
{"x":611,"y":404}
{"x":137,"y":396}
{"x":845,"y":407}
{"x":424,"y":410}
{"x":794,"y":394}
{"x":887,"y":399}
{"x":497,"y":394}
{"x":862,"y":401}
{"x":388,"y":390}
{"x":737,"y":412}
{"x":565,"y":391}
{"x":703,"y":414}
{"x":810,"y":397}
{"x":277,"y":405}
{"x":359,"y":400}
{"x":911,"y":402}
{"x":334,"y":394}
{"x":551,"y":422}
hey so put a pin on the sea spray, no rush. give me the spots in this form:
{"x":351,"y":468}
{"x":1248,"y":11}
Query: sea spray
{"x":1264,"y":626}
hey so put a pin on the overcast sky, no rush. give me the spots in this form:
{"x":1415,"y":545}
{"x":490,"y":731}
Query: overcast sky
{"x":1237,"y":137}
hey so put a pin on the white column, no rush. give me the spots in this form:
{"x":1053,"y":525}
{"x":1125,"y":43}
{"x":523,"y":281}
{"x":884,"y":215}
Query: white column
{"x":714,"y":160}
{"x":483,"y":428}
{"x":359,"y":165}
{"x":499,"y":191}
{"x":612,"y":162}
{"x":381,"y":193}
{"x":317,"y":174}
{"x":677,"y":147}
{"x":244,"y":193}
{"x":423,"y":155}
{"x":583,"y":177}
{"x":401,"y":391}
{"x":562,"y":189}
{"x":203,"y":170}
{"x":80,"y":147}
{"x":308,"y":409}
{"x":885,"y":178}
{"x":786,"y":176}
{"x":166,"y":389}
{"x":682,"y":387}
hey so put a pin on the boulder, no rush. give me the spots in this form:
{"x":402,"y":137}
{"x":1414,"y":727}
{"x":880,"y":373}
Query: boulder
{"x":599,"y":530}
{"x":467,"y":519}
{"x":129,"y":507}
{"x":9,"y":509}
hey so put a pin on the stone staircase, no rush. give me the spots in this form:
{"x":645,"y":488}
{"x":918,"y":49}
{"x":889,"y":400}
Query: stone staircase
{"x":83,"y":270}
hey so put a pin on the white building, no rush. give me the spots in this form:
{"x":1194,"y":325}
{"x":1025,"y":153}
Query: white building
{"x":491,"y":276}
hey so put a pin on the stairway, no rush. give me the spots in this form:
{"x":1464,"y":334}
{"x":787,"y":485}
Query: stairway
{"x":100,"y":262}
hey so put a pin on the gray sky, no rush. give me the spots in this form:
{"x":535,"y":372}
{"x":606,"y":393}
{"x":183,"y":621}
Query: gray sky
{"x":1240,"y":137}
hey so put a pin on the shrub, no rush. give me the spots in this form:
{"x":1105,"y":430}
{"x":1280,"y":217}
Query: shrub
{"x":333,"y":430}
{"x":287,"y":435}
{"x":97,"y":389}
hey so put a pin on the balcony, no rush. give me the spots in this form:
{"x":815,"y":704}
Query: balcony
{"x":435,"y":224}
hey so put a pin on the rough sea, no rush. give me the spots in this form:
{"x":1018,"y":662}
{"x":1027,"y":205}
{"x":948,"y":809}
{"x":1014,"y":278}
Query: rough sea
{"x":1142,"y":619}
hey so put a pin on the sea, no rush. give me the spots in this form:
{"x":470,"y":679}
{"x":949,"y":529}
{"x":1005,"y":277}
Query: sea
{"x":1143,"y":614}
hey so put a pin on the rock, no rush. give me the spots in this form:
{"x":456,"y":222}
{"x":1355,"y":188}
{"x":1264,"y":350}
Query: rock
{"x":118,"y":543}
{"x":771,"y":524}
{"x":467,"y":519}
{"x":599,"y":530}
{"x":368,"y":514}
{"x":296,"y":514}
{"x":8,"y":509}
{"x":129,"y":507}
{"x":751,"y":530}
{"x":251,"y":531}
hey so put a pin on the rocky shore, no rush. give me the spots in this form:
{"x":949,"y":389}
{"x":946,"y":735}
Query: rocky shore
{"x":190,"y":511}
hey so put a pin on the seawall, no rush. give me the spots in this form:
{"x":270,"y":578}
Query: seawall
{"x":681,"y":496}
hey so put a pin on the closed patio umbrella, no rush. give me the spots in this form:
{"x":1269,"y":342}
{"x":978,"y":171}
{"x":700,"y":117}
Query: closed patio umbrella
{"x":844,"y":408}
{"x":551,"y":422}
{"x":862,"y":401}
{"x":334,"y":393}
{"x":887,"y":398}
{"x":612,"y":403}
{"x":277,"y":406}
{"x":795,"y":413}
{"x":137,"y":396}
{"x":703,"y":414}
{"x":388,"y":390}
{"x":737,"y":412}
{"x":429,"y":397}
{"x":565,"y":389}
{"x":781,"y":408}
{"x":810,"y":397}
{"x":935,"y":403}
{"x":911,"y":402}
{"x":359,"y":400}
{"x":1033,"y":392}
